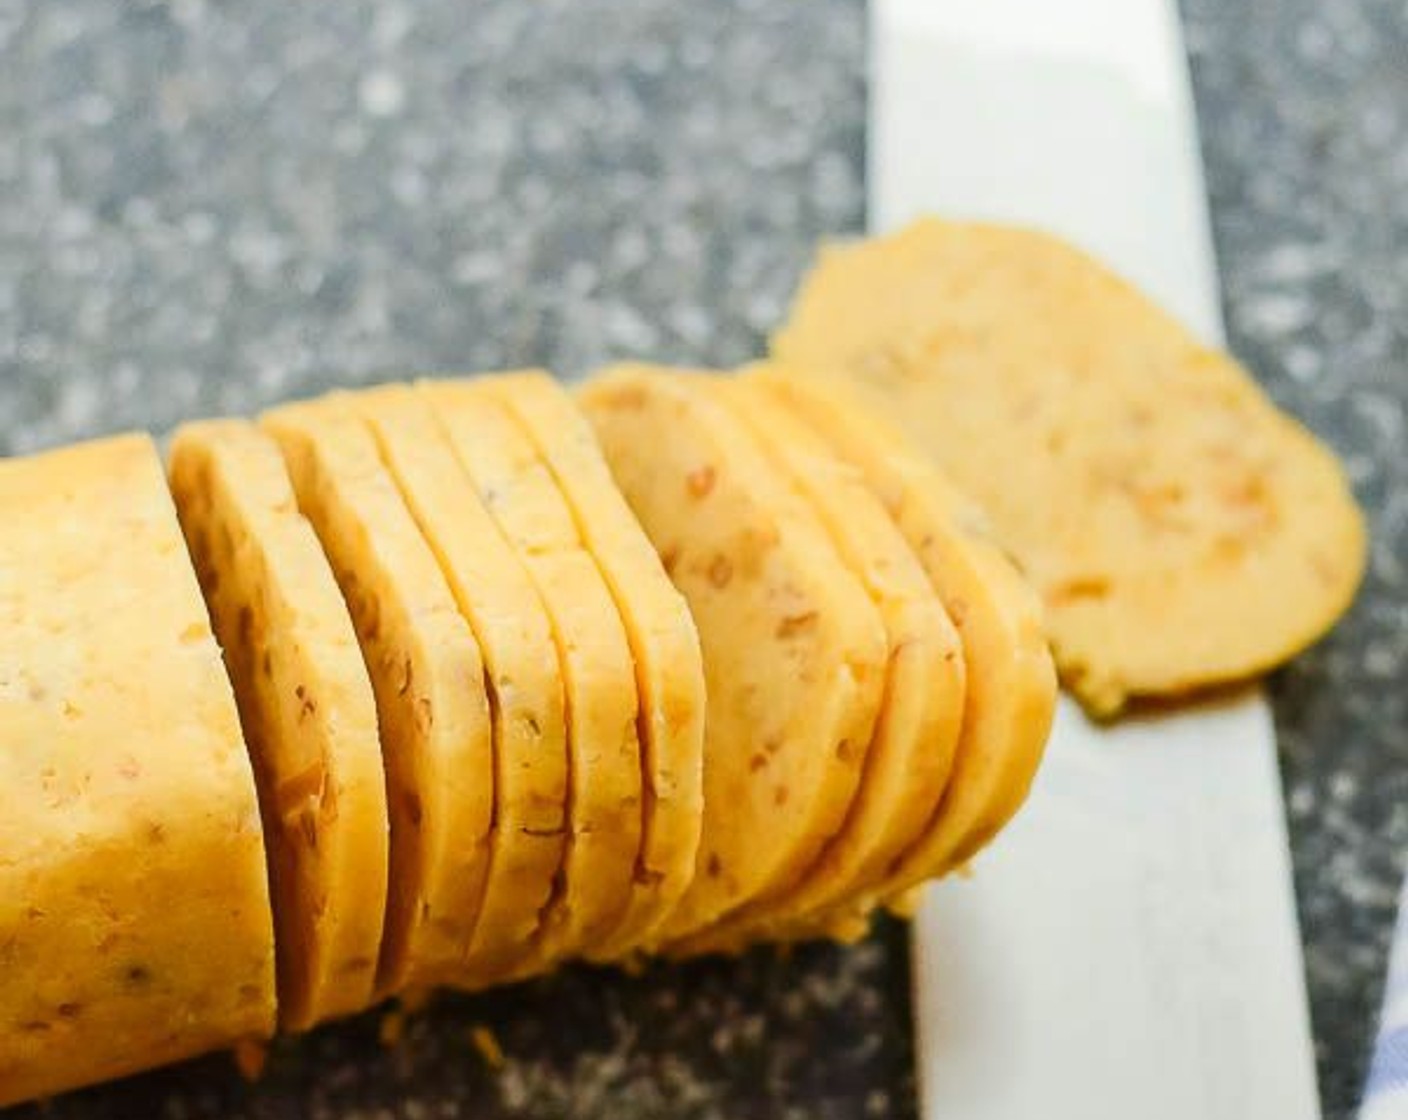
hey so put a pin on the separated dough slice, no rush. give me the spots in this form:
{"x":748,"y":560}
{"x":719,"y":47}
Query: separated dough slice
{"x":1181,"y":530}
{"x":794,"y":651}
{"x":496,"y":594}
{"x":1011,"y":685}
{"x":307,"y":709}
{"x":663,"y":641}
{"x":135,"y":927}
{"x":604,"y":799}
{"x":428,"y":679}
{"x":907,"y":766}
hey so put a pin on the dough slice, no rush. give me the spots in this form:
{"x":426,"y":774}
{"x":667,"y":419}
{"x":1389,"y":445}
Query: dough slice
{"x":794,"y":651}
{"x":1181,"y":530}
{"x":663,"y":641}
{"x":907,"y":766}
{"x":307,"y":709}
{"x":496,"y":594}
{"x":135,"y":926}
{"x":428,"y":679}
{"x":1011,"y":685}
{"x":604,"y":800}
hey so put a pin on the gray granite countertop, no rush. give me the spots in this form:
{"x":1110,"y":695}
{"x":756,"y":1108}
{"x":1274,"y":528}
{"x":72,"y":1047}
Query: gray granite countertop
{"x":207,"y":207}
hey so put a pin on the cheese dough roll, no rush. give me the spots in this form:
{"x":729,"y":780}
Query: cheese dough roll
{"x":135,"y":926}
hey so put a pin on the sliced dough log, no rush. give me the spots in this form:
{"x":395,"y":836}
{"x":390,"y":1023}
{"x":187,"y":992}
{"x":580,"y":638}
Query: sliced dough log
{"x":307,"y":709}
{"x":1011,"y":684}
{"x":135,"y":926}
{"x":663,"y":641}
{"x":604,"y":801}
{"x":428,"y":679}
{"x":1180,"y":529}
{"x":794,"y":651}
{"x":907,"y":766}
{"x":496,"y":594}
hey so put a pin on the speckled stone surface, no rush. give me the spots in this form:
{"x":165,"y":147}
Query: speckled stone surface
{"x":209,"y":207}
{"x":1304,"y":116}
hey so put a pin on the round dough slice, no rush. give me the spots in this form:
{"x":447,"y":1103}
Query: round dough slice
{"x":428,"y":679}
{"x":1181,"y":530}
{"x":664,"y":645}
{"x":604,"y":768}
{"x":1011,"y":685}
{"x":907,"y":766}
{"x":496,"y":594}
{"x":135,"y":927}
{"x":307,"y":709}
{"x":794,"y":650}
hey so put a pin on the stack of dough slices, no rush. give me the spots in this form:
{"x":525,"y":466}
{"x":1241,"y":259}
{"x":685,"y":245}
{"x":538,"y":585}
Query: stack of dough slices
{"x":421,"y":700}
{"x":880,"y":688}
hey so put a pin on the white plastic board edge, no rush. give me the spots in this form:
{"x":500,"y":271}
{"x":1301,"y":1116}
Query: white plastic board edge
{"x":1128,"y":949}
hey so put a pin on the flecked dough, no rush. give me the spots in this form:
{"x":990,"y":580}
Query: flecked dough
{"x":794,"y":650}
{"x":307,"y":708}
{"x":594,"y":885}
{"x":135,"y":926}
{"x":1181,"y":530}
{"x":664,"y":645}
{"x":496,"y":595}
{"x":1010,"y":693}
{"x":428,"y":679}
{"x":908,"y":763}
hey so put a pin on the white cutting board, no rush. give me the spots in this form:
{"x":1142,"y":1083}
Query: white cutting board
{"x":1128,"y":949}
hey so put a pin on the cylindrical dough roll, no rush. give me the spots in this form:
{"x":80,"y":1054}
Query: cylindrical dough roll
{"x":135,"y":927}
